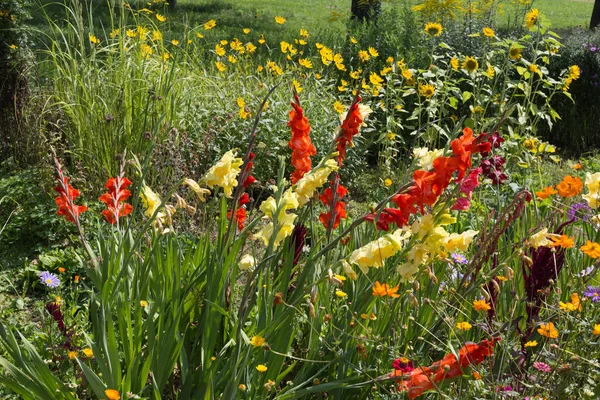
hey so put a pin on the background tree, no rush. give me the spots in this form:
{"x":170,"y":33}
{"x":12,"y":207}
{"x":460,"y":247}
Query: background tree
{"x":595,"y":21}
{"x":365,"y":9}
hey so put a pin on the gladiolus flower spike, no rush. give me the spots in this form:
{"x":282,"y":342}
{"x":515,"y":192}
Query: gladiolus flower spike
{"x":115,"y":198}
{"x":420,"y":380}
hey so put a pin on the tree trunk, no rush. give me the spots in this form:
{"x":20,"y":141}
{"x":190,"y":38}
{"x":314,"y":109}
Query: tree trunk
{"x":363,"y":10}
{"x":595,"y":21}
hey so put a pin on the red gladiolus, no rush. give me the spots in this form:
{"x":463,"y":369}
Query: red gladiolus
{"x":349,"y":129}
{"x":66,"y":200}
{"x":249,"y":180}
{"x":241,"y":213}
{"x":422,"y":379}
{"x":115,"y":198}
{"x":300,"y":143}
{"x":429,"y":185}
{"x":338,"y":209}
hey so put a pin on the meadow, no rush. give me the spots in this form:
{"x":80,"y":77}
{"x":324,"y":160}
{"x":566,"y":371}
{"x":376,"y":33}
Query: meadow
{"x":266,"y":201}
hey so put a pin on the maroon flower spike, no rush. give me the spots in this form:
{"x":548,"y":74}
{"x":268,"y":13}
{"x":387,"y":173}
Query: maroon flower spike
{"x":53,"y":308}
{"x":298,"y":239}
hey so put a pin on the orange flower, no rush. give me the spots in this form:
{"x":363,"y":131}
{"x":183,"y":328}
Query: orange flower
{"x":577,"y":166}
{"x":481,"y":305}
{"x":591,"y":249}
{"x":570,"y":186}
{"x":300,"y":143}
{"x":573,"y":305}
{"x":112,"y":394}
{"x":563,"y":241}
{"x":548,"y":330}
{"x":546,"y":192}
{"x":380,"y":290}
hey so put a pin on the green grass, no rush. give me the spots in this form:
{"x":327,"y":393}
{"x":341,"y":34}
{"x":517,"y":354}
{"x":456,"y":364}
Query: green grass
{"x":566,"y":13}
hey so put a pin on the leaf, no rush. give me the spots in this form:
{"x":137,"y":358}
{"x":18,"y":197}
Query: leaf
{"x":466,"y":96}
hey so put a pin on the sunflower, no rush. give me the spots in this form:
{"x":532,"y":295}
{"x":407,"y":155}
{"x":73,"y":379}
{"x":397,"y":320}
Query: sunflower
{"x":470,"y":64}
{"x":426,"y":90}
{"x":454,"y":63}
{"x":535,"y":69}
{"x":574,"y":72}
{"x":514,"y":53}
{"x":488,"y":32}
{"x":433,"y":29}
{"x":532,"y":17}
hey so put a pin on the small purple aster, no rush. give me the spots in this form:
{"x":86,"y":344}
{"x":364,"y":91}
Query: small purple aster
{"x":542,"y":367}
{"x":592,"y":49}
{"x":49,"y":279}
{"x":459,"y":258}
{"x":579,"y":211}
{"x":593,"y":292}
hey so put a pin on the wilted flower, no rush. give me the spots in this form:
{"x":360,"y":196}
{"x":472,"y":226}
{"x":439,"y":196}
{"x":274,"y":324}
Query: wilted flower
{"x":247,"y":262}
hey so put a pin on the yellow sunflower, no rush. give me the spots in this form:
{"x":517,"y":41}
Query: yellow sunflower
{"x":488,"y":32}
{"x":532,"y":17}
{"x":433,"y":29}
{"x":470,"y":64}
{"x":426,"y":90}
{"x":514,"y":53}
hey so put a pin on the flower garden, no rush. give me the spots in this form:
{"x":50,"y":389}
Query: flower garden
{"x":261,"y":209}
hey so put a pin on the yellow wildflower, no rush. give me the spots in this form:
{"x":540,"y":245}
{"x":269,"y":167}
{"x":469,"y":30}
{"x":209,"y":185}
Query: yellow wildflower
{"x":463,"y":326}
{"x":257,"y":341}
{"x":210,"y":24}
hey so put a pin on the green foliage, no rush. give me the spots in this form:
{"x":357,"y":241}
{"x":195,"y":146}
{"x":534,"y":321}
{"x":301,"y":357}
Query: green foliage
{"x":576,"y":132}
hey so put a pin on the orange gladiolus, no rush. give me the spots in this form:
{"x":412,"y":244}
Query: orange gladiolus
{"x":300,"y":143}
